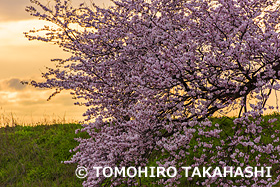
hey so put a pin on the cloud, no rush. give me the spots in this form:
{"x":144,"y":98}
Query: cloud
{"x":12,"y":85}
{"x":30,"y":105}
{"x":15,"y":84}
{"x":11,"y":10}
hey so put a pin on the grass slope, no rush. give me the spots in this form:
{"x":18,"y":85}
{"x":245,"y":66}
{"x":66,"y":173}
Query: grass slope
{"x":31,"y":156}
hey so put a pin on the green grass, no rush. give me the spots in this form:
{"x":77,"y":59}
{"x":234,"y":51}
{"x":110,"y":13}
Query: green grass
{"x":31,"y":156}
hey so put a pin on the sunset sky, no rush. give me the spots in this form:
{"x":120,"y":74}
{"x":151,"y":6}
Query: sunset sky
{"x":23,"y":60}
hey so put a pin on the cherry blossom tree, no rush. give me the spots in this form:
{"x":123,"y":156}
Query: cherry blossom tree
{"x":152,"y":73}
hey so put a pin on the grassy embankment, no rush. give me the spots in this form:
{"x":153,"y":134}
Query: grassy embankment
{"x":31,"y":156}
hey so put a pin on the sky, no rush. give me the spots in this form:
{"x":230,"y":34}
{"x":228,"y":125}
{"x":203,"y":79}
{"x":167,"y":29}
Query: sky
{"x":23,"y":60}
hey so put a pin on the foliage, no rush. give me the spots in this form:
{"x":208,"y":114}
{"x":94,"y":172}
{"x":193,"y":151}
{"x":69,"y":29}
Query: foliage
{"x":152,"y":72}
